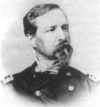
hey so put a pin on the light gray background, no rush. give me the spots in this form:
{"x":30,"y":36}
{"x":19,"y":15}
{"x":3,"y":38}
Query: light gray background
{"x":84,"y":20}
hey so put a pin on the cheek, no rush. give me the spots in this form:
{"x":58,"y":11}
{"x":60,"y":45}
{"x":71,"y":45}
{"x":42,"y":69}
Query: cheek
{"x":46,"y":42}
{"x":39,"y":43}
{"x":50,"y":43}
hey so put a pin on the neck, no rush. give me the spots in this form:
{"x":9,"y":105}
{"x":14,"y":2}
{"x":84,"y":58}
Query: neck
{"x":44,"y":60}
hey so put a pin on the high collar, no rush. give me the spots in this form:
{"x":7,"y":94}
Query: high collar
{"x":41,"y":68}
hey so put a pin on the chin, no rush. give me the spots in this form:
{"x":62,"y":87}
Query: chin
{"x":62,"y":58}
{"x":64,"y":55}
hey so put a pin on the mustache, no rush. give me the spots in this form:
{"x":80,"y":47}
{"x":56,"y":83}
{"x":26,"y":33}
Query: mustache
{"x":63,"y":49}
{"x":63,"y":42}
{"x":63,"y":45}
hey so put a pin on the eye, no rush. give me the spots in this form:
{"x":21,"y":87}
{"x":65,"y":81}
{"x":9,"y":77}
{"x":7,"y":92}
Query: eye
{"x":51,"y":29}
{"x":65,"y":27}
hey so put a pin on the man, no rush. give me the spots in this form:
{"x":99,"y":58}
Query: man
{"x":50,"y":79}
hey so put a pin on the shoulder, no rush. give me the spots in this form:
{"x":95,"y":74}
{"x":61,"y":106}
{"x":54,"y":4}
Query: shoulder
{"x":21,"y":77}
{"x":77,"y":73}
{"x":26,"y":73}
{"x":85,"y":80}
{"x":14,"y":85}
{"x":23,"y":74}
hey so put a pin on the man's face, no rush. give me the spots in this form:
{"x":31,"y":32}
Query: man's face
{"x":52,"y":29}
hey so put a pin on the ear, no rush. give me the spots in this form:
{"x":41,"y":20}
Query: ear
{"x":32,"y":40}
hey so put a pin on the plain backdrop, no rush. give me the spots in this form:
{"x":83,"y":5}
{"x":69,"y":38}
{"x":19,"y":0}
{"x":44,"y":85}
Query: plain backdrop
{"x":84,"y":20}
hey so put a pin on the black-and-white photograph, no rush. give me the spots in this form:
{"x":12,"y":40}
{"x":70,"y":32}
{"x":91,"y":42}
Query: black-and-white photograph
{"x":50,"y":53}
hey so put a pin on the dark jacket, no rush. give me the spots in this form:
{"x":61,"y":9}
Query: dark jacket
{"x":66,"y":86}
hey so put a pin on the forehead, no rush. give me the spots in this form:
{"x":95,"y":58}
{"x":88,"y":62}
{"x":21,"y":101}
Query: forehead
{"x":54,"y":17}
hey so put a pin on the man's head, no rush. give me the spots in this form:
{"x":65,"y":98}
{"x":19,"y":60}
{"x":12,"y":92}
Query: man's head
{"x":38,"y":10}
{"x":47,"y":28}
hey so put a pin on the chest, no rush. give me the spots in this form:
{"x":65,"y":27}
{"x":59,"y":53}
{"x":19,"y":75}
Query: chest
{"x":50,"y":88}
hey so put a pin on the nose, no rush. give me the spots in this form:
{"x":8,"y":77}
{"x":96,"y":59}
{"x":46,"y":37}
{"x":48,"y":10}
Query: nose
{"x":61,"y":35}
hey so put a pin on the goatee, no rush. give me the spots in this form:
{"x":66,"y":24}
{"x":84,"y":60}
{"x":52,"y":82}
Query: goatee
{"x":63,"y":53}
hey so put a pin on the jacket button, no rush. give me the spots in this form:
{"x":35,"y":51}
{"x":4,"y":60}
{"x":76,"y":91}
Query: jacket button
{"x":68,"y":74}
{"x":38,"y":93}
{"x":71,"y":88}
{"x":34,"y":76}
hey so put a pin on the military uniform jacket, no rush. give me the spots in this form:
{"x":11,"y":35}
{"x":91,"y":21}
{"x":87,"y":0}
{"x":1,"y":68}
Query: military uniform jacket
{"x":66,"y":86}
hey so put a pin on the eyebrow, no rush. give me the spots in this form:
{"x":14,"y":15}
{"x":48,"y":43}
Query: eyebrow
{"x":66,"y":24}
{"x":54,"y":26}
